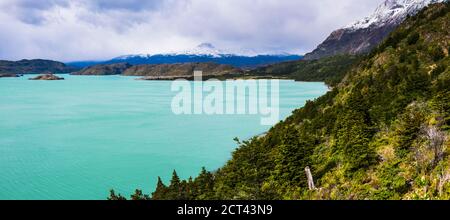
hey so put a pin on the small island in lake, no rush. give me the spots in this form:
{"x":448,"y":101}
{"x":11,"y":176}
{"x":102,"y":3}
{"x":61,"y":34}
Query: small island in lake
{"x":48,"y":76}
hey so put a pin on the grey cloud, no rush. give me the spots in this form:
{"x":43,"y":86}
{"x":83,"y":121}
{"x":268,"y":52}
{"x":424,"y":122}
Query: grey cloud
{"x":99,"y":29}
{"x":33,"y":11}
{"x":30,"y":11}
{"x":130,"y":5}
{"x":39,"y":4}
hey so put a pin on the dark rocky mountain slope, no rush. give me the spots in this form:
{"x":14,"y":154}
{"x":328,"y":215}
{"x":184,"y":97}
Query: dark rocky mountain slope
{"x":364,"y":35}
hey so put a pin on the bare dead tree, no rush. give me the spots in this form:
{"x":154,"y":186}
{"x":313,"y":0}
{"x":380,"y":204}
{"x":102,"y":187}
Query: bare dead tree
{"x":310,"y":178}
{"x":444,"y":177}
{"x":436,"y":143}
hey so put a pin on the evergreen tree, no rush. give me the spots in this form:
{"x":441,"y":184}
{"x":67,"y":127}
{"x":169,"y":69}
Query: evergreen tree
{"x":174,"y":189}
{"x":138,"y":195}
{"x":114,"y":197}
{"x":353,"y":141}
{"x":293,"y":157}
{"x":203,"y":186}
{"x":161,"y":191}
{"x":408,"y":128}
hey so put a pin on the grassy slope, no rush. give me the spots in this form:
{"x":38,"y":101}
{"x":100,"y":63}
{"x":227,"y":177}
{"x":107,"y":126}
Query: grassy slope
{"x":382,"y":133}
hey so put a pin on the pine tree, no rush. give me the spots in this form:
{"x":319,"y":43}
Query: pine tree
{"x":293,"y":157}
{"x":174,"y":189}
{"x":114,"y":197}
{"x":138,"y":195}
{"x":175,"y":181}
{"x":353,"y":137}
{"x":161,"y":191}
{"x":408,"y":128}
{"x":203,"y":185}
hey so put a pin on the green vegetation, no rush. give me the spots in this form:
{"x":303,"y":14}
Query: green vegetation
{"x":381,"y":133}
{"x":329,"y":69}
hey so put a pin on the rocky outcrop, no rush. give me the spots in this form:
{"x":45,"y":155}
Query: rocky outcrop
{"x":364,"y":35}
{"x":104,"y":69}
{"x":352,"y":42}
{"x":34,"y":67}
{"x":47,"y":77}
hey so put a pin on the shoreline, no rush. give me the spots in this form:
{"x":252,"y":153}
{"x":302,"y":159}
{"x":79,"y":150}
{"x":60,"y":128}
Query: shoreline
{"x":205,"y":78}
{"x":188,"y":78}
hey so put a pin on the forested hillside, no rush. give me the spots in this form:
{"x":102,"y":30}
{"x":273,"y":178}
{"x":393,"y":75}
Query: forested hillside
{"x":381,"y":133}
{"x":329,"y":69}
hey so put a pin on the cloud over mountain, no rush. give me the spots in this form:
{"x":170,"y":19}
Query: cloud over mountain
{"x":100,"y":29}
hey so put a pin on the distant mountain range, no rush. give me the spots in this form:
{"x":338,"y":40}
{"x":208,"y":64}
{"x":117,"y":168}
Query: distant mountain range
{"x":362,"y":36}
{"x":203,"y":53}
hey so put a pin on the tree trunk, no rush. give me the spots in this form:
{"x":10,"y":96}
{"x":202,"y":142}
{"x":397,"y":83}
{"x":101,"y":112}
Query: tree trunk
{"x":311,"y":185}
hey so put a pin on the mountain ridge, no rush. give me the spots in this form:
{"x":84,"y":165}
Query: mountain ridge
{"x":362,"y":36}
{"x":203,"y":53}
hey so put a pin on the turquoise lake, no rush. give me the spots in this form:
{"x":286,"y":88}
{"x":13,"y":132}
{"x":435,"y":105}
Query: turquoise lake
{"x":81,"y":137}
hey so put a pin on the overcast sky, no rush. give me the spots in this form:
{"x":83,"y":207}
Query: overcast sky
{"x":69,"y":30}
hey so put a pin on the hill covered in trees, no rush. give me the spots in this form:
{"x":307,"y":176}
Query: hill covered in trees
{"x":34,"y":67}
{"x":330,"y":70}
{"x":381,"y":133}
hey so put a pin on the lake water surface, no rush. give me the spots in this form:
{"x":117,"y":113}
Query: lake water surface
{"x":81,"y":137}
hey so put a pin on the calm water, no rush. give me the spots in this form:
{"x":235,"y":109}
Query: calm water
{"x":78,"y":138}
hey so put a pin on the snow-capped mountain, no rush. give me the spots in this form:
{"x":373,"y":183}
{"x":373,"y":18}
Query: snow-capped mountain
{"x":391,"y":12}
{"x":363,"y":35}
{"x":205,"y":49}
{"x":204,"y":52}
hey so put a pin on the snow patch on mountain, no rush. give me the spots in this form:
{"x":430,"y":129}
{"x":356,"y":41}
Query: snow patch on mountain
{"x":205,"y":50}
{"x":391,"y":12}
